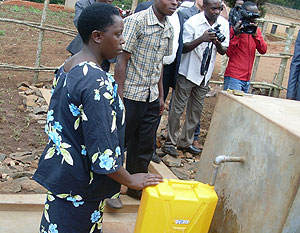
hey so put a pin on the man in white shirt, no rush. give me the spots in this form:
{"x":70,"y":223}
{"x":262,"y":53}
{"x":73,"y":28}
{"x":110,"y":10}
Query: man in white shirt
{"x":194,"y":73}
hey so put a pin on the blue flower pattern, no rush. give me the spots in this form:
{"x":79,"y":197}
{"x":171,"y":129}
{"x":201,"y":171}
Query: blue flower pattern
{"x":95,"y":216}
{"x":52,"y":228}
{"x":83,"y":150}
{"x":75,"y":202}
{"x":106,"y":162}
{"x":74,"y":110}
{"x":57,"y":126}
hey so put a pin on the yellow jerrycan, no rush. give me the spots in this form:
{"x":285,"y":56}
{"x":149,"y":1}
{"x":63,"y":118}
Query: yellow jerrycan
{"x":176,"y":206}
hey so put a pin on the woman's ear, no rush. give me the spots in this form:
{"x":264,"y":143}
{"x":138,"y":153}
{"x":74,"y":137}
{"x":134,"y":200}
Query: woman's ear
{"x":97,"y":36}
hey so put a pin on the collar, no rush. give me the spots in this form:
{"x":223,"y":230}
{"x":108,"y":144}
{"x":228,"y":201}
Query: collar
{"x":153,"y":20}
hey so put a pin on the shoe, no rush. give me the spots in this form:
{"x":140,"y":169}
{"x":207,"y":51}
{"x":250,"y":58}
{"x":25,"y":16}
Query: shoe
{"x":155,"y":158}
{"x":191,"y":149}
{"x":136,"y":194}
{"x":170,"y":149}
{"x":115,"y":203}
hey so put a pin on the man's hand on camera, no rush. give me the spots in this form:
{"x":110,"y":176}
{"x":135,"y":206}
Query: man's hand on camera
{"x":208,"y":36}
{"x":238,"y":28}
{"x":255,"y":33}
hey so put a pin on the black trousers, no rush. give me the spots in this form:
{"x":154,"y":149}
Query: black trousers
{"x":140,"y":130}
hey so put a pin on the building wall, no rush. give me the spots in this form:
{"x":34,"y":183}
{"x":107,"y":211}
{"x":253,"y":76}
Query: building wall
{"x":281,"y":30}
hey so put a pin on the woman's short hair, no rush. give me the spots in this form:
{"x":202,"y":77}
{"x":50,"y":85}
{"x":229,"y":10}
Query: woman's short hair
{"x":97,"y":16}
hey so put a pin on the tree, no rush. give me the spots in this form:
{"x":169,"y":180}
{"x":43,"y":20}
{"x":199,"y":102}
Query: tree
{"x":259,"y":3}
{"x":295,"y":4}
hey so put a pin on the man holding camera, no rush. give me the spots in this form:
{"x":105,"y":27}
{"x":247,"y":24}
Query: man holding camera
{"x":202,"y":34}
{"x":245,"y":39}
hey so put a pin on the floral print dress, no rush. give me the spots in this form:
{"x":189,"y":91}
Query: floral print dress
{"x":85,"y":126}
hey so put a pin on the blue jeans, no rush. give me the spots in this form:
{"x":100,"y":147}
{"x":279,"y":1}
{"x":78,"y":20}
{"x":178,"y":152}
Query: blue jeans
{"x":235,"y":84}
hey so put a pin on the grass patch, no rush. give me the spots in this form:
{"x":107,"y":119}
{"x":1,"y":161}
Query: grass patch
{"x":2,"y":33}
{"x":32,"y":14}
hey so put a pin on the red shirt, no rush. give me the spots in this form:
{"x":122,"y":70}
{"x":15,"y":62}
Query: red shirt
{"x":241,"y":53}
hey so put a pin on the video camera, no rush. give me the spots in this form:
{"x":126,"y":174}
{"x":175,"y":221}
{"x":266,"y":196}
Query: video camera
{"x":218,"y":33}
{"x":241,"y":14}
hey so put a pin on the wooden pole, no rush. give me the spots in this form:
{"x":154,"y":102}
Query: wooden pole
{"x":134,"y":5}
{"x":40,"y":41}
{"x":283,"y":63}
{"x":257,"y":58}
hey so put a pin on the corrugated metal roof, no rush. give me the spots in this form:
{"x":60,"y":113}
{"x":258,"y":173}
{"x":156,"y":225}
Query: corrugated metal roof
{"x":282,"y":11}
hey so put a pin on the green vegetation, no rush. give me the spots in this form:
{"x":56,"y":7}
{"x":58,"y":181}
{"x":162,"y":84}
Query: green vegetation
{"x":2,"y":33}
{"x":295,"y":4}
{"x":60,"y":2}
{"x":21,"y":12}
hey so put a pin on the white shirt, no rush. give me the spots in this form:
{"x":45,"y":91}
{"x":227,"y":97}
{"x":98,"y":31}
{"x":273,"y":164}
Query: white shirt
{"x":190,"y":64}
{"x":174,"y":20}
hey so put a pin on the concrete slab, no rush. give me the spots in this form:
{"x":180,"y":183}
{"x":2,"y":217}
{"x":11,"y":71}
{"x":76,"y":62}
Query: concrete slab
{"x":24,"y":211}
{"x":256,"y":196}
{"x":19,"y":210}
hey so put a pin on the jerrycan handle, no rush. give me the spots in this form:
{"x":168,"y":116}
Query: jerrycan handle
{"x":194,"y":184}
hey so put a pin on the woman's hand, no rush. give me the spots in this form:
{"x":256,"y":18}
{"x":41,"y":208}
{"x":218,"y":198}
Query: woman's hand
{"x":136,"y":181}
{"x":142,"y":180}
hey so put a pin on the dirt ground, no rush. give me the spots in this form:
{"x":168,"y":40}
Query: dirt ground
{"x":18,"y":43}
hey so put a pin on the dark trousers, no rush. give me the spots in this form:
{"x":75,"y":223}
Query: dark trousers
{"x":140,"y":130}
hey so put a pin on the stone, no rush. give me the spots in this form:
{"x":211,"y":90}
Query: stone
{"x":160,"y":153}
{"x":7,"y":161}
{"x":180,"y":173}
{"x":19,"y":154}
{"x":2,"y":157}
{"x":29,"y":92}
{"x":12,"y":163}
{"x":19,"y":168}
{"x":39,"y":85}
{"x":30,"y":101}
{"x":31,"y":186}
{"x":38,"y":110}
{"x":34,"y":164}
{"x":188,"y":155}
{"x":26,"y":158}
{"x":194,"y":166}
{"x":42,"y":122}
{"x":23,"y":89}
{"x":37,"y":117}
{"x":171,"y":161}
{"x":23,"y":84}
{"x":37,"y":153}
{"x":12,"y":186}
{"x":4,"y":169}
{"x":27,"y":174}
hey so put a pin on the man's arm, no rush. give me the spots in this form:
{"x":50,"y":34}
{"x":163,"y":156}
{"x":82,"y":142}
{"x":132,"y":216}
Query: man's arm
{"x":161,"y":92}
{"x":120,"y":71}
{"x":261,"y":45}
{"x":294,"y":71}
{"x":220,"y":48}
{"x":206,"y":37}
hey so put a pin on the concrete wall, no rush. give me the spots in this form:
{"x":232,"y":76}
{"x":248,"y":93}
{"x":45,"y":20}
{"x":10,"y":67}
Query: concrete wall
{"x":259,"y":195}
{"x":281,"y":30}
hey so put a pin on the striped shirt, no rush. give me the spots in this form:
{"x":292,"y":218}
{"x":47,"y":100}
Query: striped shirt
{"x":148,"y":41}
